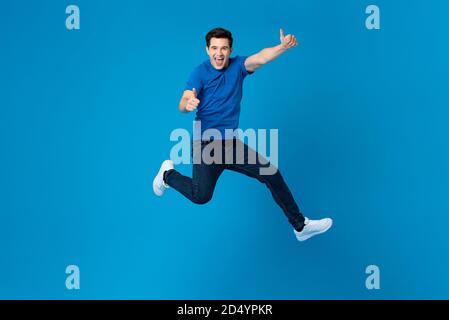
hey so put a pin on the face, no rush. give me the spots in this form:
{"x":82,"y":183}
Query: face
{"x":219,"y":52}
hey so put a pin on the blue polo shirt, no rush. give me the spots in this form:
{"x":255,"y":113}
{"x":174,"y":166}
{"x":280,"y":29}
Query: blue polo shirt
{"x":220,"y":93}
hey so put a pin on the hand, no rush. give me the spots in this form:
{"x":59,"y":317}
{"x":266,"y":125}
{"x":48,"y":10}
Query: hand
{"x":289,"y":41}
{"x":192,"y":103}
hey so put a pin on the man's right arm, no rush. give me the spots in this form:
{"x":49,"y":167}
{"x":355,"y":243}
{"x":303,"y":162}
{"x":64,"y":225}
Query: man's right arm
{"x":189,"y":101}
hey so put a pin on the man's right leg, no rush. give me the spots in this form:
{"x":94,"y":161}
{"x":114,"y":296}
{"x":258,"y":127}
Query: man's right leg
{"x":198,"y":189}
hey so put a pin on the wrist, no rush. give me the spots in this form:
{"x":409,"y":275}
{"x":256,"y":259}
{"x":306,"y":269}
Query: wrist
{"x":282,"y":48}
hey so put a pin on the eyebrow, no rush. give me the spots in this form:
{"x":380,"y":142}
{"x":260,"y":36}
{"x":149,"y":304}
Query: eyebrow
{"x":214,"y":47}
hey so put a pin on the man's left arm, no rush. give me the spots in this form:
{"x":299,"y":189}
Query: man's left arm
{"x":269,"y":54}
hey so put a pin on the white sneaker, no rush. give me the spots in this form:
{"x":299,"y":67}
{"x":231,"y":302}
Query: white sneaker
{"x":313,"y":228}
{"x":159,"y":186}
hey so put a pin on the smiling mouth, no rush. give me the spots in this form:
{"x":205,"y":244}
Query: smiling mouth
{"x":219,"y":61}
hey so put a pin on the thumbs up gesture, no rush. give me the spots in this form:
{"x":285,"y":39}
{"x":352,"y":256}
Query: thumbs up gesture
{"x":192,"y":102}
{"x":289,"y":41}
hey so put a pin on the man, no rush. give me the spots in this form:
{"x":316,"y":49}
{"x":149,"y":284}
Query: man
{"x":214,"y":90}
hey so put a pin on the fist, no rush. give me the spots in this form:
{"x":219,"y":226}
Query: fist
{"x":193,"y":102}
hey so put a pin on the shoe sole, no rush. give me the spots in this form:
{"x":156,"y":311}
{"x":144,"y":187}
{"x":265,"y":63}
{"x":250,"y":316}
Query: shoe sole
{"x":315,"y":234}
{"x":156,"y":190}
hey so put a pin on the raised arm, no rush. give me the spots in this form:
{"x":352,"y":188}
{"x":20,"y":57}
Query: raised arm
{"x":269,"y":54}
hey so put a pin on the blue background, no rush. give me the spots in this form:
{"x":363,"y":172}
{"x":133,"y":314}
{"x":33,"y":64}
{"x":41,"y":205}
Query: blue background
{"x":85,"y":119}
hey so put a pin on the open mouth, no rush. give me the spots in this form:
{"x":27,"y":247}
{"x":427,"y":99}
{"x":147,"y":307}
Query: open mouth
{"x":219,"y":61}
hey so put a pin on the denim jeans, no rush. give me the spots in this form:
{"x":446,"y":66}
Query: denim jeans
{"x":200,"y":188}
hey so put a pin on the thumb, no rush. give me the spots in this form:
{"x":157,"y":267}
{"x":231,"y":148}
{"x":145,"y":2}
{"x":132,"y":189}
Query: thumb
{"x":282,"y":34}
{"x":194,"y":92}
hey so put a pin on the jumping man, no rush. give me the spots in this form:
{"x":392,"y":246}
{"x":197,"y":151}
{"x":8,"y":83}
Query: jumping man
{"x":214,"y":90}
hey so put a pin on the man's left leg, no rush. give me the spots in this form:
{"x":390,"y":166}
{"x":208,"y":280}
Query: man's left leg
{"x":242,"y":154}
{"x":247,"y":161}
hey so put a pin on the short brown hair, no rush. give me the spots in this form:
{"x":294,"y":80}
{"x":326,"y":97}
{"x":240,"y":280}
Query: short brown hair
{"x":219,"y":33}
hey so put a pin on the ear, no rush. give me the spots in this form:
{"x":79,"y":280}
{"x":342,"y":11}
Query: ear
{"x":207,"y":50}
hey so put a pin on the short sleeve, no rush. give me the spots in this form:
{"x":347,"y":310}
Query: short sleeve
{"x":242,"y":60}
{"x":194,"y":81}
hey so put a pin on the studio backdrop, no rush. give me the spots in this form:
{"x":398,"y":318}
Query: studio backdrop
{"x":89,"y":94}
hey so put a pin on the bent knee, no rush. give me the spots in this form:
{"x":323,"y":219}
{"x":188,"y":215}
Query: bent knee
{"x":202,"y":198}
{"x":270,"y":178}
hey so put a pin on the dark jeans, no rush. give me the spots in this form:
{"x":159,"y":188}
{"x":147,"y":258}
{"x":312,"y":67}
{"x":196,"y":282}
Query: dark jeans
{"x":200,"y":188}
